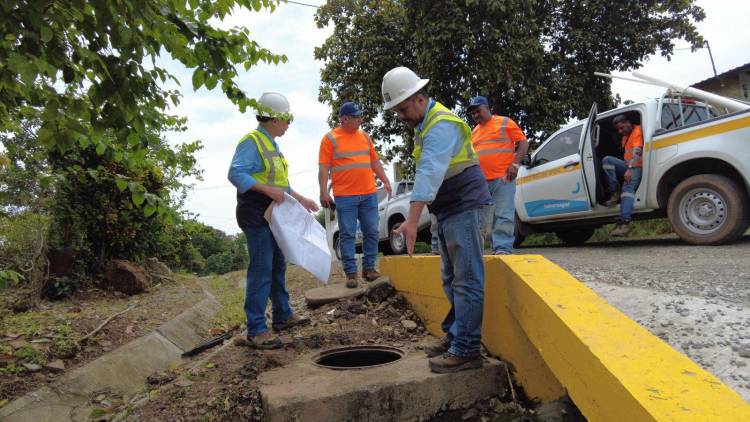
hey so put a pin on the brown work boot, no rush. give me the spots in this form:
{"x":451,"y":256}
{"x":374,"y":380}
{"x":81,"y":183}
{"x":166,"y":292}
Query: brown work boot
{"x":264,"y":341}
{"x":293,"y":321}
{"x":437,"y":348}
{"x":622,"y":229}
{"x":351,"y":280}
{"x":448,"y":362}
{"x":370,"y":274}
{"x":613,"y":199}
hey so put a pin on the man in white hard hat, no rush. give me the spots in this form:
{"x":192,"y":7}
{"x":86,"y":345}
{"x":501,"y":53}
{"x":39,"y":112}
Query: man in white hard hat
{"x":451,"y":184}
{"x":259,"y":171}
{"x":348,"y":155}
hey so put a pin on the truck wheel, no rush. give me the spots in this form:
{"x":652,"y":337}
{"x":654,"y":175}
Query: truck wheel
{"x":518,"y":236}
{"x":708,"y":209}
{"x":396,"y":243}
{"x":337,"y":247}
{"x":576,"y":235}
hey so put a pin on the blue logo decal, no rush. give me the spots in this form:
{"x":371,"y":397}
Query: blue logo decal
{"x":554,"y":206}
{"x":578,"y":188}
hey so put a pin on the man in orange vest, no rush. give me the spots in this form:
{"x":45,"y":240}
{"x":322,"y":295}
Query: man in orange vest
{"x":630,"y":170}
{"x":501,"y":145}
{"x":347,"y":153}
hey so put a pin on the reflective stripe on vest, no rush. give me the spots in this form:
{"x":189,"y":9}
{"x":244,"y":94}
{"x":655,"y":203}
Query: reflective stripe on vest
{"x":629,"y":152}
{"x":499,"y":143}
{"x":466,"y":157}
{"x":338,"y":154}
{"x":274,"y":172}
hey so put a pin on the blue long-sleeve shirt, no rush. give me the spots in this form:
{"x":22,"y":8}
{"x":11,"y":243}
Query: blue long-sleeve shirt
{"x":440,"y":145}
{"x":248,"y":161}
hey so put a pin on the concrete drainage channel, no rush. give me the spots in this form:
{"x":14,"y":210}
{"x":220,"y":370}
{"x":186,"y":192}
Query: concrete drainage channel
{"x":372,"y":383}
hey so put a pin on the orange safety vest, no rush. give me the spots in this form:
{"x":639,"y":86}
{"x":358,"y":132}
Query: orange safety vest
{"x":494,"y":145}
{"x":351,"y":168}
{"x":630,"y":143}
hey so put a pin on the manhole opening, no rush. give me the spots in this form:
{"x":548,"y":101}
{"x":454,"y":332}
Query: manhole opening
{"x":357,"y":357}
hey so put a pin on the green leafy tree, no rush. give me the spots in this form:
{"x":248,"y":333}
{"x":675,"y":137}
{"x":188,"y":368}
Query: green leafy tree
{"x":88,"y":70}
{"x":533,"y":59}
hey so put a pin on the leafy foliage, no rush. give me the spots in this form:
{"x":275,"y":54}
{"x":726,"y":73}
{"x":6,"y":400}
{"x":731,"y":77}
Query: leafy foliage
{"x":83,"y":109}
{"x":533,"y":59}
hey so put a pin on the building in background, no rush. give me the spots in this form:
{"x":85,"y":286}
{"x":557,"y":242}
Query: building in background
{"x":732,"y":83}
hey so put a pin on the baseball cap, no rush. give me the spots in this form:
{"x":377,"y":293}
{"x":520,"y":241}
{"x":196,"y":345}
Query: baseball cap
{"x":477,"y":101}
{"x":349,"y":109}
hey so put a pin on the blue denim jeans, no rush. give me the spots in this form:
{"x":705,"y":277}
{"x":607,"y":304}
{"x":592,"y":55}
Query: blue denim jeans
{"x":615,"y":168}
{"x":349,"y":209}
{"x":434,"y":241}
{"x":462,"y":271}
{"x":266,"y":277}
{"x":503,"y":220}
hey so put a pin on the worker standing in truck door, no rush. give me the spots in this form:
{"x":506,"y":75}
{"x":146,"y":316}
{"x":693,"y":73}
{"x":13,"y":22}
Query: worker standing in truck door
{"x":501,"y":145}
{"x":450,"y":183}
{"x":259,"y":172}
{"x":348,"y":155}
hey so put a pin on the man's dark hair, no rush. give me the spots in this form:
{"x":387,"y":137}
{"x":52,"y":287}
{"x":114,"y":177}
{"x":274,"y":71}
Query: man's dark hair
{"x":263,"y":119}
{"x":422,"y":92}
{"x":620,"y":119}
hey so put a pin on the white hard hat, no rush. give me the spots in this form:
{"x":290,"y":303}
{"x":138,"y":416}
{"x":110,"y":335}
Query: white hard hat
{"x":399,"y":84}
{"x":274,"y":105}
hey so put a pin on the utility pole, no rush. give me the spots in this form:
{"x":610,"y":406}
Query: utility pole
{"x":711,"y":56}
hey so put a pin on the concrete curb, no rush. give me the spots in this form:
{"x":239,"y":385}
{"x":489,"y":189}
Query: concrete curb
{"x":122,"y":371}
{"x":560,"y":336}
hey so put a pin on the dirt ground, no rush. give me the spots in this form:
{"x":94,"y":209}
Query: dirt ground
{"x":222,"y":385}
{"x":36,"y":347}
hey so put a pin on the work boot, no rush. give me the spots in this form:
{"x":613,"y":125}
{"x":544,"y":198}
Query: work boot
{"x":351,"y":280}
{"x":613,"y":199}
{"x":293,"y":321}
{"x":448,"y":362}
{"x":264,"y":341}
{"x":622,"y":229}
{"x":437,"y":348}
{"x":370,"y":274}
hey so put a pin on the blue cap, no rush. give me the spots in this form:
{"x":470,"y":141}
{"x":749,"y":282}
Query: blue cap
{"x":349,"y":109}
{"x":477,"y":101}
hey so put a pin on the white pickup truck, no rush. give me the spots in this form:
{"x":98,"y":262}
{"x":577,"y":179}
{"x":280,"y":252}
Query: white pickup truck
{"x":696,"y":169}
{"x":392,"y":212}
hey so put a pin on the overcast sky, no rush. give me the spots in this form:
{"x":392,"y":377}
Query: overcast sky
{"x":291,"y":30}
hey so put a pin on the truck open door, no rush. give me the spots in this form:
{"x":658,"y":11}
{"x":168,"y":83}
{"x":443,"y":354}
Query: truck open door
{"x":589,"y":160}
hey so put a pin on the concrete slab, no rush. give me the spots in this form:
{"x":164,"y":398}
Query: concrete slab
{"x":122,"y":371}
{"x":403,"y":390}
{"x":333,"y":292}
{"x":191,"y":327}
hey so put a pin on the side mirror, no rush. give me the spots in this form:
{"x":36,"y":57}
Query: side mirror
{"x":659,"y":131}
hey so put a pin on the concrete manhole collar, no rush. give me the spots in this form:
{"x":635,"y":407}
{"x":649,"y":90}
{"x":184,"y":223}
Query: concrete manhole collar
{"x":357,"y":357}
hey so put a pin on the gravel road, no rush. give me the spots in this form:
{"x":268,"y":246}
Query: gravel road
{"x":697,"y":298}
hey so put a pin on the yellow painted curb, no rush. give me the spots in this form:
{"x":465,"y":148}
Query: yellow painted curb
{"x":560,"y":336}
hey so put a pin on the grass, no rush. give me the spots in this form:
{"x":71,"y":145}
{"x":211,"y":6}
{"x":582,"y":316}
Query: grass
{"x":638,"y":230}
{"x":231,"y":314}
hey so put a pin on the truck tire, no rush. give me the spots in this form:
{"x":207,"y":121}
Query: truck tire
{"x":396,"y":243}
{"x":576,"y":235}
{"x":708,"y":209}
{"x":518,"y":236}
{"x":337,"y":247}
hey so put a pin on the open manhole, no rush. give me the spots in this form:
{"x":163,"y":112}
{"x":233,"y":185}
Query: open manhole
{"x":358,"y":357}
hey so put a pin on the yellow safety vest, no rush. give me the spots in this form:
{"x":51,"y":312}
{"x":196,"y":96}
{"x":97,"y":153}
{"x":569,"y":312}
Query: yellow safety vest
{"x":275,"y":166}
{"x":466,"y":157}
